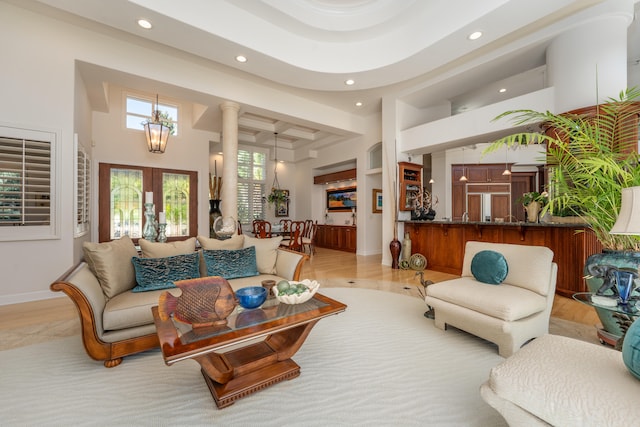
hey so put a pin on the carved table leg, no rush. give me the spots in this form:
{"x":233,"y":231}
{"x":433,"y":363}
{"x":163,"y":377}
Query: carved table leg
{"x":238,"y":373}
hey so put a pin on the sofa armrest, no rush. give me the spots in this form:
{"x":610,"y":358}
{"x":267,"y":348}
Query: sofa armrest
{"x":82,"y":286}
{"x":289,"y":264}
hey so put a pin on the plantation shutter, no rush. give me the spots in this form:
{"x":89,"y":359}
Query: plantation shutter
{"x":25,"y":182}
{"x":250,"y":186}
{"x":83,"y":174}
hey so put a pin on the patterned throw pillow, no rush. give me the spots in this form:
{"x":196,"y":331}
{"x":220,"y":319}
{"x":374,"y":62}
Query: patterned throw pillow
{"x":489,"y":267}
{"x":231,"y":264}
{"x":160,"y":273}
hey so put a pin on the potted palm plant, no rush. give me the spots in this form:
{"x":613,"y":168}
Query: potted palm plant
{"x":591,"y":158}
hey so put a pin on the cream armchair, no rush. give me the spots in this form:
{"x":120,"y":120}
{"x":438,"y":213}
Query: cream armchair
{"x":508,"y":314}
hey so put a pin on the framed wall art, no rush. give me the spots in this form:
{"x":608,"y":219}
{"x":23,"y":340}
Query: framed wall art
{"x":342,"y":199}
{"x":377,"y":201}
{"x":282,"y":206}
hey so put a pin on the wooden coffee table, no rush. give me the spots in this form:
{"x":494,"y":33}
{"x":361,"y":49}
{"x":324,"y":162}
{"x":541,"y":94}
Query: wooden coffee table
{"x":252,"y":351}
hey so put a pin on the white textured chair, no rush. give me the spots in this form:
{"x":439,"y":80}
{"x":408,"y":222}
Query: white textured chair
{"x":560,"y":381}
{"x":508,"y":314}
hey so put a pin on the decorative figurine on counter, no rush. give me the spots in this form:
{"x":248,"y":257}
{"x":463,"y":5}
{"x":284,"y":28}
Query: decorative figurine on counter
{"x":424,"y":206}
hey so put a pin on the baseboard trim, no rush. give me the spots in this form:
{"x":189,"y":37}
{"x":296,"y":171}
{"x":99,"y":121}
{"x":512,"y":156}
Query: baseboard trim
{"x":28,"y":297}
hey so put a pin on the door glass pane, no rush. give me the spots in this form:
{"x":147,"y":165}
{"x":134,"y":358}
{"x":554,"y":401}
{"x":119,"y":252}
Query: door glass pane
{"x":126,"y":203}
{"x":175,"y":193}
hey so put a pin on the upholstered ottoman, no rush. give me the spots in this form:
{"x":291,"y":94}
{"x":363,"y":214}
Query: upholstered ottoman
{"x":561,"y":381}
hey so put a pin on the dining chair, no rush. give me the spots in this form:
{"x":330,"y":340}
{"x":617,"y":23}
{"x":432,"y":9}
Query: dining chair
{"x":263,"y":229}
{"x":295,"y":237}
{"x":308,"y":224}
{"x":310,"y":241}
{"x":286,"y":226}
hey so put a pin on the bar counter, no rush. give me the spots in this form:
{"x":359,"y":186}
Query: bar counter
{"x":443,"y":242}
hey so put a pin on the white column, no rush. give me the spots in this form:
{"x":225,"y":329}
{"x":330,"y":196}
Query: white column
{"x":588,"y":64}
{"x":229,"y":204}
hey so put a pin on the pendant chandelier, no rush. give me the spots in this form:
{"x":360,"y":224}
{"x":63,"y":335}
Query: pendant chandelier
{"x":463,"y":178}
{"x":157,"y":130}
{"x":506,"y":171}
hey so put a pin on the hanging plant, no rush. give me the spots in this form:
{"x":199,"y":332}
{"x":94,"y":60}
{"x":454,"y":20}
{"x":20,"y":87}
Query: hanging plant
{"x":277,"y":196}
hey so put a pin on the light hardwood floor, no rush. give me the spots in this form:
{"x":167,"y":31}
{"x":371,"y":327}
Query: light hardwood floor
{"x":325,"y":265}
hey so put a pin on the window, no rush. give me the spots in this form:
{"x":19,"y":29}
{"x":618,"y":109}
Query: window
{"x":122,"y":196}
{"x":26,"y":184}
{"x":82,"y":189}
{"x":251,"y":183}
{"x":140,"y":110}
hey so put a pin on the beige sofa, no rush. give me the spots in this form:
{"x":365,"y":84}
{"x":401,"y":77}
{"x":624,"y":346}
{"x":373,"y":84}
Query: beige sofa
{"x":116,"y":321}
{"x":561,"y":381}
{"x":509,"y":313}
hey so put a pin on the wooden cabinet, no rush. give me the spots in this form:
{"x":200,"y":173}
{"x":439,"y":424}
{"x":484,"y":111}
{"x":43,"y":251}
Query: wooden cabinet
{"x":486,"y":173}
{"x":338,"y":237}
{"x":410,"y":181}
{"x":482,"y":180}
{"x":443,"y":243}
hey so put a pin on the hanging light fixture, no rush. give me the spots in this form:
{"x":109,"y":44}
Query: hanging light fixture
{"x":506,"y":171}
{"x":463,"y":177}
{"x":277,"y":194}
{"x":157,"y":130}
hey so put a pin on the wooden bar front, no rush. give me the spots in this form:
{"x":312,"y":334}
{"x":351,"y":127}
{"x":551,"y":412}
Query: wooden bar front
{"x":443,"y":242}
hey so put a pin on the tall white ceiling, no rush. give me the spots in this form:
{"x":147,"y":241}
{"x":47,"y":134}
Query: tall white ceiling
{"x":416,"y":48}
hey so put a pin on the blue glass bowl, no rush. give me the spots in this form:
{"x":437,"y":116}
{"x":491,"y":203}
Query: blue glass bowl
{"x":251,"y":296}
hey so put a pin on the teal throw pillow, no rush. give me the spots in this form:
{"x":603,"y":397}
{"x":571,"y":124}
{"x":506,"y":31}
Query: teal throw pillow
{"x":489,"y":267}
{"x":160,"y":273}
{"x":631,"y":349}
{"x":231,"y":264}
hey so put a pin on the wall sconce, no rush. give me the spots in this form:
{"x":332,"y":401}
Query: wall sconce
{"x":157,"y":130}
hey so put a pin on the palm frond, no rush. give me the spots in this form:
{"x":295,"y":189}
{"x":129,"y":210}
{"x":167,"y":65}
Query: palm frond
{"x":590,"y":159}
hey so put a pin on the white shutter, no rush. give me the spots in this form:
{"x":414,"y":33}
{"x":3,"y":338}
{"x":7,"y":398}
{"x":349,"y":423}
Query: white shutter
{"x":25,"y":181}
{"x":83,"y":187}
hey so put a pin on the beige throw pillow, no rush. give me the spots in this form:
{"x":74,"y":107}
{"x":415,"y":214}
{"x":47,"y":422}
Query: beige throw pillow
{"x":234,"y":242}
{"x":266,"y":252}
{"x":161,"y":250}
{"x":111,"y":264}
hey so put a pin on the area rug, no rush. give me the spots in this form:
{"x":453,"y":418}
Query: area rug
{"x":379,"y":363}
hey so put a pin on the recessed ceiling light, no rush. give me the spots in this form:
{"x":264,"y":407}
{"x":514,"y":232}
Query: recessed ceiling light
{"x":503,"y":90}
{"x":145,"y":24}
{"x":241,"y":58}
{"x":350,"y":82}
{"x":358,"y":104}
{"x":475,"y":35}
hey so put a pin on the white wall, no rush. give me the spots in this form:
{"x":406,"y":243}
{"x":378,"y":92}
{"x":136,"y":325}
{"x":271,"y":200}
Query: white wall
{"x":37,"y":87}
{"x":436,"y":135}
{"x":114,"y":143}
{"x":39,"y":78}
{"x":310,"y":202}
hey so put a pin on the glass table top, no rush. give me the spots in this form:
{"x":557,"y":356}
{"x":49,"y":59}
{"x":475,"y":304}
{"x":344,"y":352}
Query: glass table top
{"x":632,"y":308}
{"x":242,"y":318}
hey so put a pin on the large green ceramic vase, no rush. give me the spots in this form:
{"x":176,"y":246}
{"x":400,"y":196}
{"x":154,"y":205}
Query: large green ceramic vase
{"x":599,"y":272}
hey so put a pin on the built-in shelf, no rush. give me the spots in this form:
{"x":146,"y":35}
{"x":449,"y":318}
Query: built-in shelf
{"x":345,"y":175}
